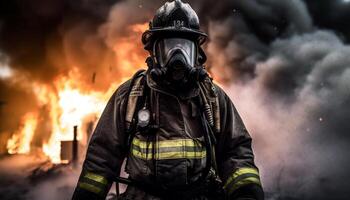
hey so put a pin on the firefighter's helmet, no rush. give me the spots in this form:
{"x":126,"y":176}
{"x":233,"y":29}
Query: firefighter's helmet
{"x":176,"y":18}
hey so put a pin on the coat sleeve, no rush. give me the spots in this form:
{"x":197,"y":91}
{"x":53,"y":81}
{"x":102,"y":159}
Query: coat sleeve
{"x":235,"y":156}
{"x":106,"y":150}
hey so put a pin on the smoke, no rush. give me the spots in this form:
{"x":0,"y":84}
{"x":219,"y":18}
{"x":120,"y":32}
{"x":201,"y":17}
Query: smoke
{"x":19,"y":171}
{"x":243,"y":30}
{"x":288,"y":78}
{"x":57,"y":188}
{"x":295,"y":108}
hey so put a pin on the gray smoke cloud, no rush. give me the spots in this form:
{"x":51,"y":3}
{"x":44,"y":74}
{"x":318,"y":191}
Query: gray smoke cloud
{"x":289,"y":80}
{"x":296,"y":109}
{"x":243,"y":30}
{"x":293,"y":93}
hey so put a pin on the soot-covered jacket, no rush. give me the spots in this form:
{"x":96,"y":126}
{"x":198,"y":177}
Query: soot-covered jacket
{"x":172,"y":156}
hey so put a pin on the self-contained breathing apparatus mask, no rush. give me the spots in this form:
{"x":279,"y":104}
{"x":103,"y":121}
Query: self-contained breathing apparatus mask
{"x":176,"y":51}
{"x":176,"y":60}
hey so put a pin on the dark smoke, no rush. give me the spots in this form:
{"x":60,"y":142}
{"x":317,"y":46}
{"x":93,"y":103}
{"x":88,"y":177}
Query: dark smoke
{"x":292,"y":83}
{"x":333,"y":15}
{"x":36,"y":34}
{"x":287,"y":74}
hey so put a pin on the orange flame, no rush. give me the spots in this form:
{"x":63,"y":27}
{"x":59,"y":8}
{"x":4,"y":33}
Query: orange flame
{"x":69,"y":104}
{"x":68,"y":109}
{"x":20,"y":141}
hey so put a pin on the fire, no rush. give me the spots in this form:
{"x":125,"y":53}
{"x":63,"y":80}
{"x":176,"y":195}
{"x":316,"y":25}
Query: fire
{"x":20,"y":141}
{"x":68,"y":110}
{"x":70,"y":103}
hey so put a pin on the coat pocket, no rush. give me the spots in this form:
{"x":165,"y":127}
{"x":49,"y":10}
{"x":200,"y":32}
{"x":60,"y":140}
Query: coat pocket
{"x":172,"y":173}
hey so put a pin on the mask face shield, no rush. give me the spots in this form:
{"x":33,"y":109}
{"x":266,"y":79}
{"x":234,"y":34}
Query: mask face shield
{"x":167,"y":48}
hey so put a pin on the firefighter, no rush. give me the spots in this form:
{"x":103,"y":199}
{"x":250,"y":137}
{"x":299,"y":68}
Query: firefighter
{"x":180,"y":133}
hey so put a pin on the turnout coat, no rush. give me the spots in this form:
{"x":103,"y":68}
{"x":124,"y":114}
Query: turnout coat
{"x":174,"y":155}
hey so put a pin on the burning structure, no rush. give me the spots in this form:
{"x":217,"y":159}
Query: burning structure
{"x":65,"y":103}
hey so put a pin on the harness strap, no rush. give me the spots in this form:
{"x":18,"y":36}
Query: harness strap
{"x":136,"y":90}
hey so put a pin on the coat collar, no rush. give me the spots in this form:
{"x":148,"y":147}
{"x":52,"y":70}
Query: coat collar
{"x":192,"y":92}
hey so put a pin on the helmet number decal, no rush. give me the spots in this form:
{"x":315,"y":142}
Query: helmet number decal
{"x":178,"y":23}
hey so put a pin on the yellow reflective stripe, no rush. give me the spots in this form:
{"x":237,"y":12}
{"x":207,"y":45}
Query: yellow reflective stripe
{"x":90,"y":188}
{"x":141,"y":155}
{"x":96,"y":178}
{"x":141,"y":144}
{"x":246,"y":181}
{"x":170,"y":155}
{"x":166,"y":149}
{"x":167,"y":143}
{"x":184,"y":154}
{"x":178,"y":143}
{"x":239,"y":172}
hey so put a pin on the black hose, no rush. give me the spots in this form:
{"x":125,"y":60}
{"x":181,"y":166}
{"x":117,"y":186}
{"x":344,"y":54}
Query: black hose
{"x":208,"y":147}
{"x":122,"y":180}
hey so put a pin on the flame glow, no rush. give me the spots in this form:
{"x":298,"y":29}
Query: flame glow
{"x":70,"y":104}
{"x":69,"y":109}
{"x":20,"y":141}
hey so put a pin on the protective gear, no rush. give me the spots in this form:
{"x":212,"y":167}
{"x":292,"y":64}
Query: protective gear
{"x":177,"y":57}
{"x":174,"y":40}
{"x":174,"y":19}
{"x":167,"y":48}
{"x":187,"y":143}
{"x":177,"y":74}
{"x":173,"y":156}
{"x":197,"y":148}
